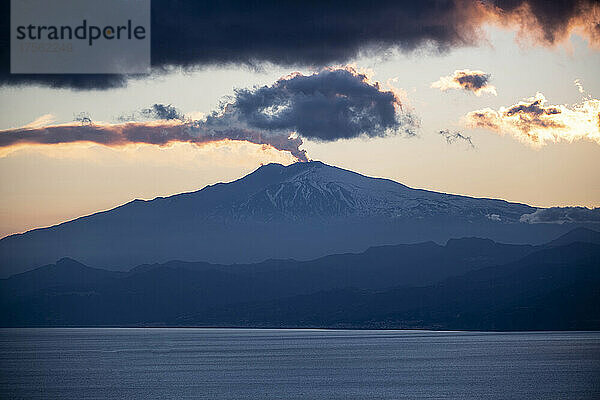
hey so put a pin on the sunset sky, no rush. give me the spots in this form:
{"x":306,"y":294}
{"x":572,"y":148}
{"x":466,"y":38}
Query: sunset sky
{"x":517,"y":104}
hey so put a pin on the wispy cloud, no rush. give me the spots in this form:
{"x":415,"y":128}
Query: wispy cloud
{"x":454,"y":136}
{"x":476,"y":82}
{"x":579,"y":86}
{"x":535,"y":122}
{"x":157,"y":111}
{"x":162,"y":111}
{"x":44,"y":120}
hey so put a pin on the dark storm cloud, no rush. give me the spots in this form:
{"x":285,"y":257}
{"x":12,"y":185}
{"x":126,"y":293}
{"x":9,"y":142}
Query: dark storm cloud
{"x":188,"y":33}
{"x":159,"y":111}
{"x":560,"y":215}
{"x":326,"y":106}
{"x":330,"y":105}
{"x":83,"y":118}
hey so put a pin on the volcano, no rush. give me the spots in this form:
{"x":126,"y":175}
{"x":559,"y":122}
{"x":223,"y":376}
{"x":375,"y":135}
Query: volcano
{"x":300,"y":211}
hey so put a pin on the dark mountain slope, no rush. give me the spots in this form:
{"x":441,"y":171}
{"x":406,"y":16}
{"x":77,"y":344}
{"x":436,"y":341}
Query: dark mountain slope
{"x":156,"y":292}
{"x":556,"y":289}
{"x":458,"y":285}
{"x":580,"y":234}
{"x":63,"y":274}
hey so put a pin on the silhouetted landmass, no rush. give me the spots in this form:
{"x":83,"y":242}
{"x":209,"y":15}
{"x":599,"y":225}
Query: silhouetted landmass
{"x":469,"y":283}
{"x":553,"y":289}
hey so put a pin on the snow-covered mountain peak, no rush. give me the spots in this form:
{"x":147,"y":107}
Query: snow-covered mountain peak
{"x":316,"y":189}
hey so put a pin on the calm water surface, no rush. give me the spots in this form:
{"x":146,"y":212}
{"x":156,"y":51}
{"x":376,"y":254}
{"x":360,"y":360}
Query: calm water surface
{"x":106,"y":363}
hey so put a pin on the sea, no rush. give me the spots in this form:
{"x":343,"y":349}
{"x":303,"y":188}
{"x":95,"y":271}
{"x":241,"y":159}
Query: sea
{"x":285,"y":364}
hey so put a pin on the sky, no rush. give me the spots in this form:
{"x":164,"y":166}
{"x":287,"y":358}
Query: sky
{"x":498,"y":102}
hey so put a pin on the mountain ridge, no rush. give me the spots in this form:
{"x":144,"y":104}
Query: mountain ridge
{"x":425,"y":285}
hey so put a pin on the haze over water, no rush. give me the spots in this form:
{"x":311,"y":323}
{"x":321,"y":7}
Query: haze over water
{"x":101,"y":363}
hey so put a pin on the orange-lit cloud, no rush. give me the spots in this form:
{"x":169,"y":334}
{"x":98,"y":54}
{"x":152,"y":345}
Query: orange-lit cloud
{"x":160,"y":132}
{"x":535,"y":122}
{"x":472,"y":81}
{"x":545,"y":22}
